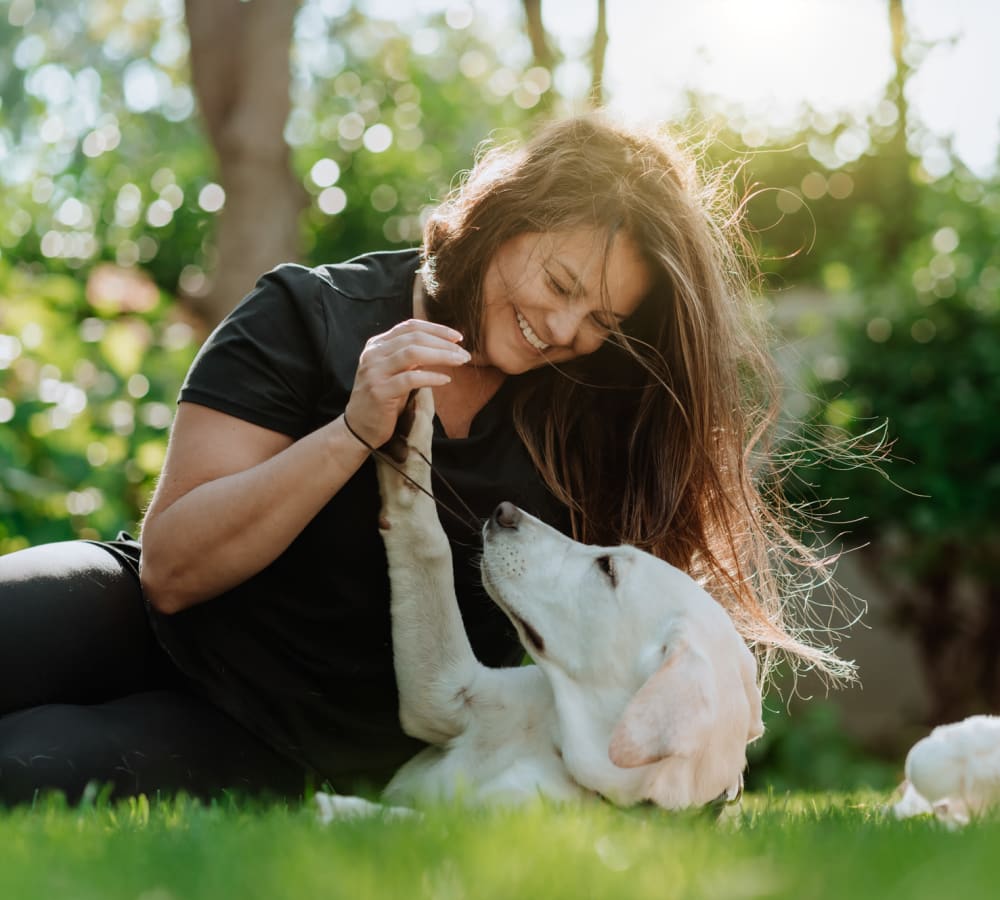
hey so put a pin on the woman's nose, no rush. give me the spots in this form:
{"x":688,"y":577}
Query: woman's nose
{"x":564,"y":325}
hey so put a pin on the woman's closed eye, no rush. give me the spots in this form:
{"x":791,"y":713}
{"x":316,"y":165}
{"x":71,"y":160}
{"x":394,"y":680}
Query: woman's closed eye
{"x":557,"y":286}
{"x":604,"y":322}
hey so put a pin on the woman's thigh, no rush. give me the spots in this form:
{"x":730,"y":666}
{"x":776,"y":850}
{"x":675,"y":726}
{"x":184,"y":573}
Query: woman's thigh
{"x":73,"y":628}
{"x":153,"y":742}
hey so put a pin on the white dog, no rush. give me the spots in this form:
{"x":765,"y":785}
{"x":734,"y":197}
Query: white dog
{"x":642,"y":688}
{"x":954,"y":772}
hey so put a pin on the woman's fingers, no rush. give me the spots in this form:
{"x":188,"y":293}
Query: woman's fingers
{"x":384,"y":357}
{"x":414,"y":331}
{"x":415,"y":356}
{"x":407,"y":346}
{"x":421,"y":326}
{"x":392,"y":365}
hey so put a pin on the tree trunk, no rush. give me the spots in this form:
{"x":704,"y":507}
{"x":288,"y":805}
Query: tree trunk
{"x":597,"y":55}
{"x":240,"y":55}
{"x":897,"y":189}
{"x":541,"y":51}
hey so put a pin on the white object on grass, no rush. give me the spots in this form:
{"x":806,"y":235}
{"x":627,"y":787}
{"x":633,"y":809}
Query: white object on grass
{"x":334,"y":807}
{"x":954,"y":772}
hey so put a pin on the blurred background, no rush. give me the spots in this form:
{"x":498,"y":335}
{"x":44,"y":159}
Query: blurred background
{"x":156,"y":156}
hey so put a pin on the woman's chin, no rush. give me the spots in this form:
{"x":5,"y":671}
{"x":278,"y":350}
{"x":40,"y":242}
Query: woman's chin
{"x":512,"y":360}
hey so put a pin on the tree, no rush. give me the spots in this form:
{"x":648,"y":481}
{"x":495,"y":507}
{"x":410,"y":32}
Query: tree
{"x":898,"y":193}
{"x":597,"y":54}
{"x":920,"y":352}
{"x":240,"y":54}
{"x":541,"y":48}
{"x":544,"y":56}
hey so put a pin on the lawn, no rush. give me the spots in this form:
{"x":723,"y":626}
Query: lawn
{"x":798,"y":846}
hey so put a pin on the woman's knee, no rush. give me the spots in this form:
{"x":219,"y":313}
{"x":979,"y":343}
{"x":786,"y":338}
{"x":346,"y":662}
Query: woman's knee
{"x":73,"y":627}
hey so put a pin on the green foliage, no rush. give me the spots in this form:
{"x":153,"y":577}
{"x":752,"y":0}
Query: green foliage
{"x":810,"y":206}
{"x":105,"y":158}
{"x":922,"y":352}
{"x":810,"y":751}
{"x":96,"y":126}
{"x":86,"y":398}
{"x":437,"y":116}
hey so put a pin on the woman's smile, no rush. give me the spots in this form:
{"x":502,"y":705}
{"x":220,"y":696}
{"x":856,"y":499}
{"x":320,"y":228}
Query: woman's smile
{"x":529,"y":333}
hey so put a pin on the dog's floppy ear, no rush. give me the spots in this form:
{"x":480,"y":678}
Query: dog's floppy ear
{"x":671,"y":714}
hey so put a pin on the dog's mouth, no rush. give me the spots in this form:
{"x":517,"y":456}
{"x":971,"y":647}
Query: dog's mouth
{"x":534,"y":638}
{"x":531,"y":635}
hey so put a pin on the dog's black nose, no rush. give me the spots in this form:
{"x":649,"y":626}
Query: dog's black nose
{"x":506,"y":515}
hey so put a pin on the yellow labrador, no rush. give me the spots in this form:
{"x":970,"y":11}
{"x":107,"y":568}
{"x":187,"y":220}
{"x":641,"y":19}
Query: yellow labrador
{"x":642,"y":689}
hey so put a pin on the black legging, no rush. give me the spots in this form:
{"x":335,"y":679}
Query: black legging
{"x":87,"y":694}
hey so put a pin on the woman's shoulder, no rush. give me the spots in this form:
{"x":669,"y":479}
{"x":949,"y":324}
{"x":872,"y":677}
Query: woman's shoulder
{"x":382,"y":274}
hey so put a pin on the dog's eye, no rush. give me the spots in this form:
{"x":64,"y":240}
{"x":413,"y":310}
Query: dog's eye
{"x":607,"y":566}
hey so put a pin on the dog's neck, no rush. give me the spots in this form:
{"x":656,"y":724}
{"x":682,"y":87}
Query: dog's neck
{"x":586,"y":717}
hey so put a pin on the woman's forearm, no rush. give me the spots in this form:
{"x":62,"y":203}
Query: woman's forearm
{"x":222,"y":532}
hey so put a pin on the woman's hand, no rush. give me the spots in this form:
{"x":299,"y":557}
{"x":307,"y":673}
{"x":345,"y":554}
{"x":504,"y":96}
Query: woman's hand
{"x":392,"y":365}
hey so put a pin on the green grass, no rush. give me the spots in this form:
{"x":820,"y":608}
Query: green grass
{"x":797,"y":846}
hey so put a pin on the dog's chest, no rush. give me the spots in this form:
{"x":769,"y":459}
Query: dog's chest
{"x":479,"y":771}
{"x":508,"y":753}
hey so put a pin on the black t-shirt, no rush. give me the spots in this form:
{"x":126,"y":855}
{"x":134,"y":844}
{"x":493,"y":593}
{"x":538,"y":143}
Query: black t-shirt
{"x":301,"y":653}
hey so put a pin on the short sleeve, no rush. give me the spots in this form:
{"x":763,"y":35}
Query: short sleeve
{"x":264,"y":362}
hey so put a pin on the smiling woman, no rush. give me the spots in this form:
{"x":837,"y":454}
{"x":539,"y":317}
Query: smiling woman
{"x":580,"y":310}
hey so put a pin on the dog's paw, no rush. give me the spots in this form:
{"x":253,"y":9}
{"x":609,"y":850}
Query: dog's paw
{"x":421,"y":430}
{"x":336,"y":808}
{"x":407,"y":470}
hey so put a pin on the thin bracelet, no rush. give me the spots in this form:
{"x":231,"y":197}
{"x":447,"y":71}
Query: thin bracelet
{"x":347,"y":425}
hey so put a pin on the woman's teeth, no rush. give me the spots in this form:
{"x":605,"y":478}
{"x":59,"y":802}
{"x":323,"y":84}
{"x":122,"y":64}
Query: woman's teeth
{"x":530,"y":335}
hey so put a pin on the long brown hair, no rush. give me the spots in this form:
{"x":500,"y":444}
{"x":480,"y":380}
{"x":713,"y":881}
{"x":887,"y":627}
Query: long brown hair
{"x":660,"y":438}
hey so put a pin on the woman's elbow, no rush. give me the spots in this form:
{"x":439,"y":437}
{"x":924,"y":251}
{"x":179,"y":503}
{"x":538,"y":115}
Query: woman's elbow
{"x":156,"y":588}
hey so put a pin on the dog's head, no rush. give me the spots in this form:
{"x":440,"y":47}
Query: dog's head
{"x":656,"y":692}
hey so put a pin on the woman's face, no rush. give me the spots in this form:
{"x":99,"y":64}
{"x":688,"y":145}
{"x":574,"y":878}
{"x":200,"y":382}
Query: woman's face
{"x":543,"y":300}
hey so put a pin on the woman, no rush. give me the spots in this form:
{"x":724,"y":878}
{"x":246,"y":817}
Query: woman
{"x":582,"y":316}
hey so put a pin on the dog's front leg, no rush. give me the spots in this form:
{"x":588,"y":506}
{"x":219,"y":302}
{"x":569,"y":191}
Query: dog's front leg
{"x":435,"y":665}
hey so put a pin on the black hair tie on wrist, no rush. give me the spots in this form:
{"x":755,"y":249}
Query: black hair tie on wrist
{"x":347,"y":425}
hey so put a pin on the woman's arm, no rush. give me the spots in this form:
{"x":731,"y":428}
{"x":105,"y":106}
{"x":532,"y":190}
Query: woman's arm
{"x":231,"y":498}
{"x":233,"y":495}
